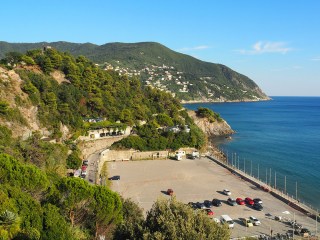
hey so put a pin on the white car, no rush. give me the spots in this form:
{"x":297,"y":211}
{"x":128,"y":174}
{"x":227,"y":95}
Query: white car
{"x":226,"y":192}
{"x":255,"y":221}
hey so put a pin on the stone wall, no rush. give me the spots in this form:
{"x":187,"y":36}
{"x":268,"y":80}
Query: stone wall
{"x":89,"y":147}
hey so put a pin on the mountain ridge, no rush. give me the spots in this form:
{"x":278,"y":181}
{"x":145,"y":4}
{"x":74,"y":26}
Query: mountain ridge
{"x":186,"y":77}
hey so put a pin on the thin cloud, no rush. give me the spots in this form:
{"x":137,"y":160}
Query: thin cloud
{"x":186,"y":49}
{"x":266,"y":47}
{"x":315,"y":59}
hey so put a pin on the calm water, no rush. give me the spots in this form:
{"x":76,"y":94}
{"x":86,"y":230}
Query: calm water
{"x":282,"y":135}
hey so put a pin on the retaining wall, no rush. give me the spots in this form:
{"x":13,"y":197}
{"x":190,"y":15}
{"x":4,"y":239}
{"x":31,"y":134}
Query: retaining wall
{"x":289,"y":201}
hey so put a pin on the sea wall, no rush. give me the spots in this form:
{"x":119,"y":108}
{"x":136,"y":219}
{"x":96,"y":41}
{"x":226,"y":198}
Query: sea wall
{"x":274,"y":192}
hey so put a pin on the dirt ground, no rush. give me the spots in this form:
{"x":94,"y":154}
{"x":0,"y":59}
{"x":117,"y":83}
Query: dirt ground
{"x":199,"y":180}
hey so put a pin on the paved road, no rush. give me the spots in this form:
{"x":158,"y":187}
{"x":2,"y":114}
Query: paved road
{"x":198,"y":180}
{"x":92,"y":166}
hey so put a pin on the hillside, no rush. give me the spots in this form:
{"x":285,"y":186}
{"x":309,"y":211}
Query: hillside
{"x":186,"y":77}
{"x":50,"y":95}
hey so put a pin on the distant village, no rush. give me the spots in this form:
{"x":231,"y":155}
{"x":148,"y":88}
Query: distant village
{"x":159,"y":77}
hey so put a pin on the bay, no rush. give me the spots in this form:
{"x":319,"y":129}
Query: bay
{"x":281,"y":136}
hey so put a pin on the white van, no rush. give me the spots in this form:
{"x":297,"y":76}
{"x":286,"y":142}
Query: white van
{"x":225,"y":219}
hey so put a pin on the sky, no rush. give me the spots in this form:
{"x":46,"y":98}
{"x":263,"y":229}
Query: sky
{"x":276,"y":43}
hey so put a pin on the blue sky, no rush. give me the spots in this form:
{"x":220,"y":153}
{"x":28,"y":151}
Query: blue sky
{"x":276,"y":43}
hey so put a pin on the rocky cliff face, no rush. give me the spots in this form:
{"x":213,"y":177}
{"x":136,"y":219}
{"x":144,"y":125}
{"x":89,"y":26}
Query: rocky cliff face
{"x":211,"y":129}
{"x":18,"y":101}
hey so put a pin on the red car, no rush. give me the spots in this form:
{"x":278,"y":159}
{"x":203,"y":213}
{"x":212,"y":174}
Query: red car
{"x":84,"y":168}
{"x":249,"y":201}
{"x":208,"y":211}
{"x":240,"y":201}
{"x":170,"y":192}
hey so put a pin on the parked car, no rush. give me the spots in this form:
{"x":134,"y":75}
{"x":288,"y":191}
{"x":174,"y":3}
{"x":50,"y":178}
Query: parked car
{"x":117,"y":177}
{"x":200,"y":205}
{"x":207,"y":203}
{"x":249,"y":201}
{"x":226,"y":192}
{"x":232,"y":202}
{"x":170,"y":192}
{"x":84,"y":167}
{"x":85,"y":162}
{"x":257,"y":206}
{"x":208,"y":211}
{"x":225,"y":219}
{"x":247,"y":222}
{"x":192,"y":204}
{"x":216,"y":202}
{"x":257,"y":200}
{"x":240,"y":201}
{"x":255,"y":221}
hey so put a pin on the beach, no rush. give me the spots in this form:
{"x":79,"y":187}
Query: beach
{"x":199,"y":180}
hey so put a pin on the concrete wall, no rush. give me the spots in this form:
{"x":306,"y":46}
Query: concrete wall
{"x":126,"y":155}
{"x":89,"y":147}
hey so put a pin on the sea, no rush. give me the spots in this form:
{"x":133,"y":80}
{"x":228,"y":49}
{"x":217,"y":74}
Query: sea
{"x":277,"y":141}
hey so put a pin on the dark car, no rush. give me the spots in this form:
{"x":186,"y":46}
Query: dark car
{"x":216,"y":202}
{"x":257,"y":200}
{"x":200,"y":205}
{"x":207,"y":203}
{"x":117,"y":177}
{"x":85,"y":162}
{"x":192,"y":205}
{"x":257,"y":206}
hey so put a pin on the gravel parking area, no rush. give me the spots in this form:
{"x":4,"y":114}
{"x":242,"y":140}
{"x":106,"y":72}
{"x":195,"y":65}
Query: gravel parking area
{"x":199,"y":180}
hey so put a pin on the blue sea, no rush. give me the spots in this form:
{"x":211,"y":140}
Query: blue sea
{"x":281,"y":137}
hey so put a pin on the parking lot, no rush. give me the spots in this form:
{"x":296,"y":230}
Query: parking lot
{"x":199,"y":180}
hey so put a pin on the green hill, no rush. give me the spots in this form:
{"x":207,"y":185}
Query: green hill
{"x":186,"y":77}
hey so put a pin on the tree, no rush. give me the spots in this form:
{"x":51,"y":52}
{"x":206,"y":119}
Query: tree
{"x":73,"y":160}
{"x":132,"y":226}
{"x":9,"y":225}
{"x":107,"y":209}
{"x":170,"y":219}
{"x":76,"y":195}
{"x":54,"y":224}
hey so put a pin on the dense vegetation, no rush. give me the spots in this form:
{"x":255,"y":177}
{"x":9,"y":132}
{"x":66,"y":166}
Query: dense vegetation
{"x":222,"y":81}
{"x":38,"y":201}
{"x":90,"y":92}
{"x":209,"y":114}
{"x":168,"y":219}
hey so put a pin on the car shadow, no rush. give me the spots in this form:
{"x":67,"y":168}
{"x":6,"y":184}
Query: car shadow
{"x":221,"y":192}
{"x":225,"y":202}
{"x":239,"y":221}
{"x":164,"y":192}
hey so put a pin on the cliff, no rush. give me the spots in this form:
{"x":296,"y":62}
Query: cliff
{"x":211,"y":129}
